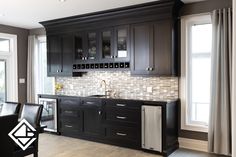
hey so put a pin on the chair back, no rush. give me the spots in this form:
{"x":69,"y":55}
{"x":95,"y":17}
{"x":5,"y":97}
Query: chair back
{"x":32,"y":113}
{"x":7,"y":123}
{"x":9,"y":108}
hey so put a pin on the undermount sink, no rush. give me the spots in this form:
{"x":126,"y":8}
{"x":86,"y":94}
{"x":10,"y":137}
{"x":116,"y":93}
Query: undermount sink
{"x":98,"y":96}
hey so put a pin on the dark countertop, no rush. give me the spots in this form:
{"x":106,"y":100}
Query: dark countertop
{"x":143,"y":98}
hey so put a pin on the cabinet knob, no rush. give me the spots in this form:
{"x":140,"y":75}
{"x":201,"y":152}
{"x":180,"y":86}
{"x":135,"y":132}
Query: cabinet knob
{"x":57,"y":71}
{"x":147,"y":69}
{"x":99,"y":112}
{"x":112,"y":56}
{"x":151,"y":69}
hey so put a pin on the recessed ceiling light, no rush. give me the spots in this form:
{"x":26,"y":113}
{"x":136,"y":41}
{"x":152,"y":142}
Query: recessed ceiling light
{"x":62,"y":0}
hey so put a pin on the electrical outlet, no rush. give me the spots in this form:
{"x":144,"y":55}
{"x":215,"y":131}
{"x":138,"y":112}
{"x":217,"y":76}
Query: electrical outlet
{"x":149,"y":89}
{"x":22,"y":80}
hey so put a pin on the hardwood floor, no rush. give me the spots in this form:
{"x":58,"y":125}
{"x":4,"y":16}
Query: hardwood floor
{"x":59,"y":146}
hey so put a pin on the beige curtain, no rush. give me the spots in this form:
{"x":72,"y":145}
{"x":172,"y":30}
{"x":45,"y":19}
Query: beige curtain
{"x":219,"y":135}
{"x":31,"y":72}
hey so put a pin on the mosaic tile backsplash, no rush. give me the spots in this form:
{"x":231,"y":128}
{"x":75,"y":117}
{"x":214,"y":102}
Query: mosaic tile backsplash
{"x":121,"y":84}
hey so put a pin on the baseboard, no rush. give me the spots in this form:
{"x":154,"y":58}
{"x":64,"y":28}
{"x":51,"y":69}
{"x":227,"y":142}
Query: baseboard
{"x":193,"y":144}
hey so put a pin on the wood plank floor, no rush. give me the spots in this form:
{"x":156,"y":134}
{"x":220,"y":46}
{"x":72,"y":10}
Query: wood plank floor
{"x":59,"y":146}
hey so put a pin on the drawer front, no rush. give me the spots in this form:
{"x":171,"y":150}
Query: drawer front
{"x":91,"y":102}
{"x":69,"y":103}
{"x":122,"y":134}
{"x":69,"y":113}
{"x":68,"y":124}
{"x":123,"y":104}
{"x":123,"y":115}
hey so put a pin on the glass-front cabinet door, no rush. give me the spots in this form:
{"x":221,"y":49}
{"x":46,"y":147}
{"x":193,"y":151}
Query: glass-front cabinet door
{"x":122,"y":43}
{"x":107,"y":45}
{"x":92,"y":47}
{"x":80,"y":52}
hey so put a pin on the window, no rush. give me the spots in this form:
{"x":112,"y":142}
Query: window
{"x":4,"y":45}
{"x":2,"y":81}
{"x":8,"y":68}
{"x":45,"y":84}
{"x":196,"y":72}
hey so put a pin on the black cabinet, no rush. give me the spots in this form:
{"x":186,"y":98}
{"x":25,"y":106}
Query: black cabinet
{"x":92,"y":117}
{"x":122,"y":119}
{"x":86,"y":47}
{"x":60,"y":55}
{"x":70,"y":117}
{"x":115,"y":121}
{"x":153,"y":49}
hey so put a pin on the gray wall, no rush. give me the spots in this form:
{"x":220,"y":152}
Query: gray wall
{"x":204,"y":6}
{"x":22,"y":48}
{"x":198,"y":8}
{"x":37,"y":31}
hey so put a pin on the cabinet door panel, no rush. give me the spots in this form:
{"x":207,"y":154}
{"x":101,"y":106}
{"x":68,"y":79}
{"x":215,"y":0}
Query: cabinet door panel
{"x":162,"y":44}
{"x":140,"y":43}
{"x":122,"y":43}
{"x":92,"y":122}
{"x":67,"y":54}
{"x":107,"y":45}
{"x":53,"y":55}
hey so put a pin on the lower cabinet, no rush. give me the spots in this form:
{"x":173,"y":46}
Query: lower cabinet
{"x":121,"y":122}
{"x":92,"y":117}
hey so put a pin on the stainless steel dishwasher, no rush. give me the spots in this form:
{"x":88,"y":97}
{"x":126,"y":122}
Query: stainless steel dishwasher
{"x":152,"y":128}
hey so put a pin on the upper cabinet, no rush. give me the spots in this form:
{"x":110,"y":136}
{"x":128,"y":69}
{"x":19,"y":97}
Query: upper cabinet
{"x":122,"y":43}
{"x":86,"y":46}
{"x":152,"y":49}
{"x":141,"y":38}
{"x":60,"y":55}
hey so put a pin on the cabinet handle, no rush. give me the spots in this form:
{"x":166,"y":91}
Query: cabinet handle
{"x":99,"y":112}
{"x":68,"y":126}
{"x":121,"y":134}
{"x":68,"y":112}
{"x":121,"y":105}
{"x":90,"y":102}
{"x":119,"y":117}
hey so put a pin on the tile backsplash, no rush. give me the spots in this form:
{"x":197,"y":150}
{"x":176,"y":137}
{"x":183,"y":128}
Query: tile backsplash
{"x":121,"y":84}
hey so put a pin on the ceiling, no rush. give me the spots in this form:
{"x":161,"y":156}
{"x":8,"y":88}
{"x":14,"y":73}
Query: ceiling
{"x":27,"y":13}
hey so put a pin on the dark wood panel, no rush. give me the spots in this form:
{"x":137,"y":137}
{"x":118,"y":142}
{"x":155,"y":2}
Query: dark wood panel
{"x":162,"y":44}
{"x":67,"y":54}
{"x":140,"y":48}
{"x":53,"y":55}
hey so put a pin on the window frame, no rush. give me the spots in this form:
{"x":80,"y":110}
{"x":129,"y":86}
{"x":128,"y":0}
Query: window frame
{"x":42,"y":39}
{"x":11,"y":67}
{"x":185,"y":80}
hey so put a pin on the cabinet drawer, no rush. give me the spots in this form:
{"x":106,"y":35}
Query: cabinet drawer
{"x":69,"y":113}
{"x":69,"y":103}
{"x":123,"y":104}
{"x":91,"y":102}
{"x":123,"y":115}
{"x":68,"y":124}
{"x":122,"y":134}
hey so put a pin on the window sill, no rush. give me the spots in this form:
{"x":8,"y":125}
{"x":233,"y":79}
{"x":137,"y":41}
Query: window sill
{"x":195,"y":128}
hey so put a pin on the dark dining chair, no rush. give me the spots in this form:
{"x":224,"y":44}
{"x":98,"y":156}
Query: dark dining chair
{"x":9,"y":108}
{"x":7,"y":123}
{"x":31,"y":113}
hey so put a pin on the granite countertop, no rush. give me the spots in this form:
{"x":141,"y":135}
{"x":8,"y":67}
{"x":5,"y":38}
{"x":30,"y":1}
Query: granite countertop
{"x":141,"y":98}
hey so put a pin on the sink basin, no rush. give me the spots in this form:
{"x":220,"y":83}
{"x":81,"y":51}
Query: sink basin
{"x":98,"y":96}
